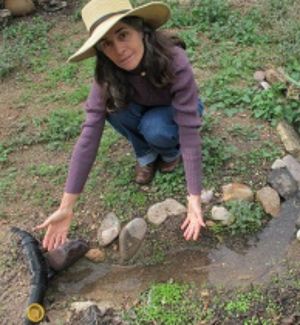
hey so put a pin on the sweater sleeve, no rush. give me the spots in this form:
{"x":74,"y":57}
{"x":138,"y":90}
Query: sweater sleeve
{"x":185,"y":101}
{"x":86,"y":147}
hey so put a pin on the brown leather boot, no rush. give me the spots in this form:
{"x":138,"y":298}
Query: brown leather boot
{"x":168,"y":167}
{"x":144,"y":174}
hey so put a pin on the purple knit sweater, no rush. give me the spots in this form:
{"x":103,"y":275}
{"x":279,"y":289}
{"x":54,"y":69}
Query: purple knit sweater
{"x":181,"y":94}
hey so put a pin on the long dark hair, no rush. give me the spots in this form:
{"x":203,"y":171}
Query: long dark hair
{"x":158,"y":45}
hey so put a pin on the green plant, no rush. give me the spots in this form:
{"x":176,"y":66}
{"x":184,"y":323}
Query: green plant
{"x":166,"y":304}
{"x":4,"y":152}
{"x":214,"y":155}
{"x":248,"y":217}
{"x":22,"y":43}
{"x":60,"y":126}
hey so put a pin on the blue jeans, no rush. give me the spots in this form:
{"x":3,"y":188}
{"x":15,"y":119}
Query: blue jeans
{"x":151,"y":131}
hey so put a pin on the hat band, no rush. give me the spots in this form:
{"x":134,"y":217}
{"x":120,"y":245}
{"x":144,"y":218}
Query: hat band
{"x":105,"y":17}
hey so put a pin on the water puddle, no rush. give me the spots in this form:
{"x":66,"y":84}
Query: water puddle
{"x":264,"y":256}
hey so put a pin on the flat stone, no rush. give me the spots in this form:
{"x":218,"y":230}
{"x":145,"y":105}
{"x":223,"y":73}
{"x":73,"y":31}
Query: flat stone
{"x":109,"y":229}
{"x":293,"y":167}
{"x":159,"y":212}
{"x":289,"y":138}
{"x":131,"y":238}
{"x":237,"y":191}
{"x":282,"y":181}
{"x":95,"y":255}
{"x":269,"y":199}
{"x":222,"y":214}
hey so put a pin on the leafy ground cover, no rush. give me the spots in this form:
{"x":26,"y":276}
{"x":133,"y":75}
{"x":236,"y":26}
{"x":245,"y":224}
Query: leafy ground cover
{"x":41,"y":109}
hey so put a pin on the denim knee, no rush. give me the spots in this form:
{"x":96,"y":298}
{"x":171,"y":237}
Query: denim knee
{"x":159,"y":134}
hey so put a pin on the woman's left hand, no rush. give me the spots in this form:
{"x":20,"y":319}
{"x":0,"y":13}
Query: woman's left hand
{"x":194,"y":221}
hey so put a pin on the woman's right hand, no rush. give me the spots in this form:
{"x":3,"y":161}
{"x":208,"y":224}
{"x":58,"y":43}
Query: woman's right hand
{"x":57,"y":225}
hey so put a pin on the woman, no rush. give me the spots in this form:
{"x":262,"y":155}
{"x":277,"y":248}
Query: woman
{"x":144,"y":87}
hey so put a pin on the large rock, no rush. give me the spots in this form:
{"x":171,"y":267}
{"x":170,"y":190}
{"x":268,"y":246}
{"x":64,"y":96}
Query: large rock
{"x":19,"y":7}
{"x":269,"y":199}
{"x":237,"y":191}
{"x":290,"y":139}
{"x":109,"y":229}
{"x":131,"y":238}
{"x":293,"y":167}
{"x":273,"y":76}
{"x":283,"y":182}
{"x":159,"y":212}
{"x":66,"y":254}
{"x":222,"y":214}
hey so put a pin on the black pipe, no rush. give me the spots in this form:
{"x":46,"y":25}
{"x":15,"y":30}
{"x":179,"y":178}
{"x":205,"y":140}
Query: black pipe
{"x":39,"y":276}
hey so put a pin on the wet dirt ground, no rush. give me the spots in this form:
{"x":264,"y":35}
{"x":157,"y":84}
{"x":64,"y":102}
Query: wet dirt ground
{"x":262,"y":257}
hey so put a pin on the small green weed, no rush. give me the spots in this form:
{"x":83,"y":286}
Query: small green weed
{"x":22,"y":43}
{"x":4,"y":152}
{"x":61,"y":125}
{"x":166,"y":304}
{"x":65,"y":73}
{"x":7,"y":184}
{"x":248,"y":217}
{"x":215,"y":153}
{"x":78,"y":96}
{"x":55,"y":174}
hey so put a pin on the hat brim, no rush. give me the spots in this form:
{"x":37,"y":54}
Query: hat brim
{"x":155,"y":14}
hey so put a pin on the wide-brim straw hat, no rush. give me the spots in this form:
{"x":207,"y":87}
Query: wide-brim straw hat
{"x":99,"y":16}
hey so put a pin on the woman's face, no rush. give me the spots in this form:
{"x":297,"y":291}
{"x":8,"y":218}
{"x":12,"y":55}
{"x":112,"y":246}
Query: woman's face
{"x":123,"y":45}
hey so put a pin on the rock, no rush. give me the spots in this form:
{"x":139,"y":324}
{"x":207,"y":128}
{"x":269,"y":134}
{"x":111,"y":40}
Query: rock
{"x":109,"y":229}
{"x":273,"y":76}
{"x":19,"y":7}
{"x":222,"y":214}
{"x":283,"y":182}
{"x":79,"y":306}
{"x":293,"y":92}
{"x":95,"y":255}
{"x":293,"y":167}
{"x":290,"y":139}
{"x":159,"y":212}
{"x":95,"y":315}
{"x":206,"y":196}
{"x":5,"y":16}
{"x":270,"y":200}
{"x":66,"y":254}
{"x":259,"y":75}
{"x":210,"y":223}
{"x":237,"y":191}
{"x":185,"y":3}
{"x":131,"y":238}
{"x":298,"y":222}
{"x":54,"y":5}
{"x":278,"y":163}
{"x":265,"y":85}
{"x":298,"y":234}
